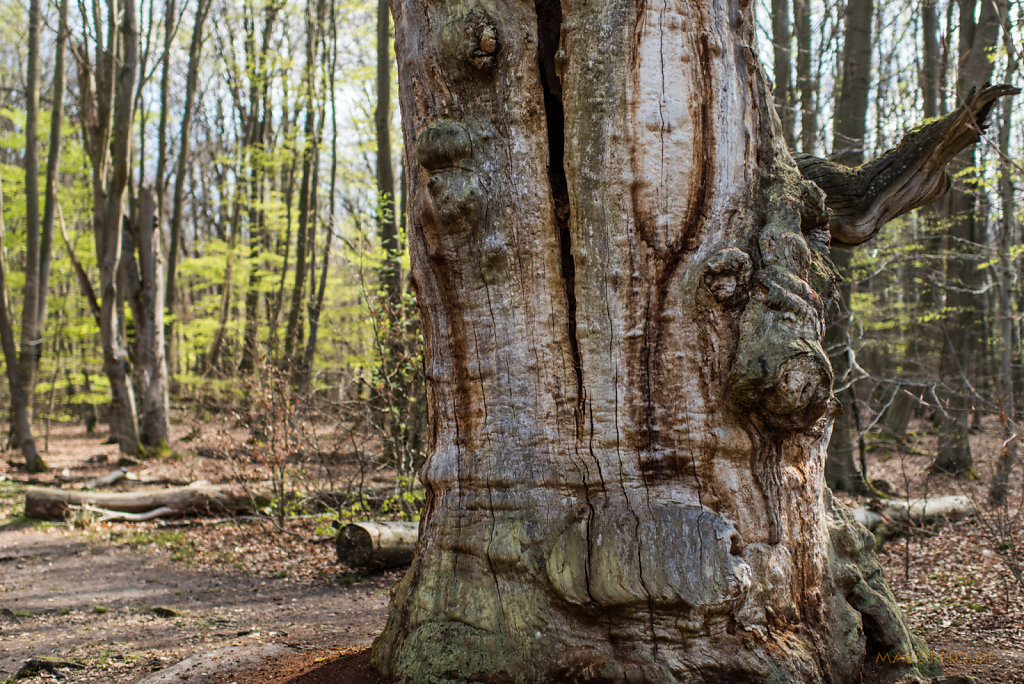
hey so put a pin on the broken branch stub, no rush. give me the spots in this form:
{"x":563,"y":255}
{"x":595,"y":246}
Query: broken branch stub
{"x":862,"y":199}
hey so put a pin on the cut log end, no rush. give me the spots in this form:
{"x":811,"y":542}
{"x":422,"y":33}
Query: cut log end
{"x":377,"y":545}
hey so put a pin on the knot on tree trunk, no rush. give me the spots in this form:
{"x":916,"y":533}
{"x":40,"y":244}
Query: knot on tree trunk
{"x":473,"y":39}
{"x":780,"y":370}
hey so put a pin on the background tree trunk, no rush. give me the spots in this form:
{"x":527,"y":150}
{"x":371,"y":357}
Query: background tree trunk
{"x":622,"y":280}
{"x":782,"y":48}
{"x":31,"y":326}
{"x":20,"y":419}
{"x":391,"y":270}
{"x":107,"y":110}
{"x":144,"y":278}
{"x":805,"y":80}
{"x":961,"y":335}
{"x":52,"y":167}
{"x":195,"y":51}
{"x":850,"y":129}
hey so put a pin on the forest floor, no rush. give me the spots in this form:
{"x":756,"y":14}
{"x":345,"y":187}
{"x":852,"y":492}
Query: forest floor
{"x":248,"y":600}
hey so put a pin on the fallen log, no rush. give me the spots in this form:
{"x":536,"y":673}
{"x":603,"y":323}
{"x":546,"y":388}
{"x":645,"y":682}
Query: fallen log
{"x":376,"y":545}
{"x":918,"y":511}
{"x":49,"y":503}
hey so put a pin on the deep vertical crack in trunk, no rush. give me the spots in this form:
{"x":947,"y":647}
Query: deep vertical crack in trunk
{"x":549,"y":26}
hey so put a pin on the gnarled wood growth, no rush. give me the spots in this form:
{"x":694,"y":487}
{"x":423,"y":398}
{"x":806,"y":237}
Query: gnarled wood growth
{"x":623,"y":280}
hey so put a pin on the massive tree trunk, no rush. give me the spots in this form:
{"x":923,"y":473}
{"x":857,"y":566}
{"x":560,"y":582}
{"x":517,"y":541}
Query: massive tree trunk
{"x":622,"y":278}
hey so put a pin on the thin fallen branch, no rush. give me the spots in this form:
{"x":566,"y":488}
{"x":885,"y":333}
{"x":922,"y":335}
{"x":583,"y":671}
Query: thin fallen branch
{"x":107,"y":515}
{"x":106,"y":480}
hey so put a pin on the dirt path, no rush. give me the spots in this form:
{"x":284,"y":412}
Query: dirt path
{"x":124,"y":615}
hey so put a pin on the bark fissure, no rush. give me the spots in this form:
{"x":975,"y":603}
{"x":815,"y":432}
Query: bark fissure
{"x":549,"y":26}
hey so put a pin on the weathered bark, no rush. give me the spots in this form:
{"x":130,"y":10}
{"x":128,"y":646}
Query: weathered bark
{"x":48,"y":503}
{"x":144,"y":290}
{"x":19,"y":411}
{"x":622,"y":279}
{"x":376,"y":545}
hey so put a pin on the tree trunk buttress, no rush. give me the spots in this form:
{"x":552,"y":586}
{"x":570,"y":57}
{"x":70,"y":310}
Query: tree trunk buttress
{"x":622,"y":279}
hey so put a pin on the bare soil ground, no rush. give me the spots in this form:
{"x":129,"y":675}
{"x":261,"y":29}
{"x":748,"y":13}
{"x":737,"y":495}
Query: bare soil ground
{"x":127,"y":601}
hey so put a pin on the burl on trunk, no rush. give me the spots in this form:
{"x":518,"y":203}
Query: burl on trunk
{"x":623,"y":279}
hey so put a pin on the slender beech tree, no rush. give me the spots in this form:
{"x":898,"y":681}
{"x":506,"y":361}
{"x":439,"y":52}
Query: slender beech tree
{"x":50,"y":207}
{"x":391,"y":270}
{"x":805,"y":81}
{"x":195,"y":51}
{"x":143,"y":279}
{"x":849,"y":132}
{"x":920,"y":289}
{"x":316,"y":294}
{"x":315,"y":10}
{"x":31,"y":328}
{"x":20,"y":419}
{"x":106,"y":91}
{"x":961,"y":329}
{"x":1008,"y":456}
{"x":257,"y":125}
{"x":622,"y":278}
{"x":782,"y":51}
